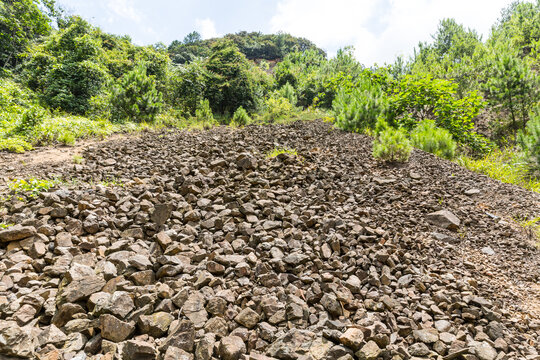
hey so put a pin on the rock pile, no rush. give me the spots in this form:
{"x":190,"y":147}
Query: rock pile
{"x":212,"y":250}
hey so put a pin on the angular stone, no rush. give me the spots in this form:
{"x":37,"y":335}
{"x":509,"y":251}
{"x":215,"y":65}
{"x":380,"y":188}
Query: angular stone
{"x":181,"y":335}
{"x":138,"y":349}
{"x":427,"y":336}
{"x":352,"y":338}
{"x":370,"y":351}
{"x":444,"y":219}
{"x":17,"y":232}
{"x":155,"y":325}
{"x":114,"y":329}
{"x":231,"y":348}
{"x":248,"y":318}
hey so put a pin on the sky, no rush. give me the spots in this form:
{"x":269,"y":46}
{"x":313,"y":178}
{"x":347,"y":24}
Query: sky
{"x":379,"y":30}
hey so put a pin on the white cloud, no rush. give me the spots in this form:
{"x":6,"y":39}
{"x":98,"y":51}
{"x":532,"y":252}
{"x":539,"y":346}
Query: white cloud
{"x":206,"y":27}
{"x":379,"y":29}
{"x":125,"y":9}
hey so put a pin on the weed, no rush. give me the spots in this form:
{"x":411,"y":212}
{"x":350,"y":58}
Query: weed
{"x":31,"y":187}
{"x":506,"y":165}
{"x":277,"y":151}
{"x":78,"y":159}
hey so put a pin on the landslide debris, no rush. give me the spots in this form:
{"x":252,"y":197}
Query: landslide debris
{"x":210,"y":249}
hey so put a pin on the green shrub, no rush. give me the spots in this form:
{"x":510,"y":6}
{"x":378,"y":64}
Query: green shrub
{"x":428,"y":137}
{"x":204,"y":112}
{"x":136,"y":98}
{"x":241,"y":117}
{"x":31,"y":118}
{"x":529,"y":140}
{"x":15,"y":145}
{"x":360,"y":108}
{"x":416,"y":98}
{"x":32,"y":186}
{"x":66,"y":129}
{"x":277,"y":108}
{"x":390,"y":144}
{"x":288,"y":92}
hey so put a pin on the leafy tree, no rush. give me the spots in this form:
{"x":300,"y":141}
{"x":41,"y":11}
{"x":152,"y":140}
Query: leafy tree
{"x":358,"y":109}
{"x":519,"y":26}
{"x":204,"y":113}
{"x":232,"y":80}
{"x":192,"y":37}
{"x":288,"y":92}
{"x":22,"y":21}
{"x":529,"y":140}
{"x":416,"y":98}
{"x":187,"y":86}
{"x":514,"y":86}
{"x":136,"y":97}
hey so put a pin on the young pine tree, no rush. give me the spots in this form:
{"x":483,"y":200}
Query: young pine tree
{"x":136,"y":98}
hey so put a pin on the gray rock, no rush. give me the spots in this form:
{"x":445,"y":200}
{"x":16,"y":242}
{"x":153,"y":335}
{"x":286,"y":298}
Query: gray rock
{"x":444,"y":219}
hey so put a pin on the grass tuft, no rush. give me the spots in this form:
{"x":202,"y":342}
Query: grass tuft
{"x":506,"y":166}
{"x":277,"y":151}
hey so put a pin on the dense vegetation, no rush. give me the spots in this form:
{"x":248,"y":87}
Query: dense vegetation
{"x":63,"y":78}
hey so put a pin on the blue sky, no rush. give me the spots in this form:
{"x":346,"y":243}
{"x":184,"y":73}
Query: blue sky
{"x":378,"y":29}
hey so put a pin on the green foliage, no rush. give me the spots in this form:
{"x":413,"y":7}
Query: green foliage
{"x":241,"y":117}
{"x":359,"y":108}
{"x":204,"y":112}
{"x":390,"y":144}
{"x":506,"y":165}
{"x":416,"y":98}
{"x":288,"y":92}
{"x":31,"y":187}
{"x":31,"y":118}
{"x":232,"y":80}
{"x":530,"y":140}
{"x":278,"y":151}
{"x":519,"y":26}
{"x":15,"y":145}
{"x":187,"y":87}
{"x":428,"y":137}
{"x":136,"y":97}
{"x":253,"y":45}
{"x":66,"y":129}
{"x":277,"y":108}
{"x":21,"y":21}
{"x":514,"y":86}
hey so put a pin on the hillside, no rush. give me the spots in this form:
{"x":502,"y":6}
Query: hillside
{"x":182,"y":243}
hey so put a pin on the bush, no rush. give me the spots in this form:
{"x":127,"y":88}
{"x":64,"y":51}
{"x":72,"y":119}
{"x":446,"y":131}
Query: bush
{"x":277,"y":108}
{"x":390,"y":144}
{"x":241,"y":117}
{"x":288,"y":92}
{"x":31,"y":118}
{"x":136,"y":98}
{"x":15,"y":145}
{"x":204,"y":112}
{"x":360,"y":108}
{"x":415,"y":99}
{"x":530,"y":140}
{"x":428,"y":137}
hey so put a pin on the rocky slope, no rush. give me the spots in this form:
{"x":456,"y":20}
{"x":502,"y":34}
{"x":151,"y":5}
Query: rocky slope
{"x":209,"y":249}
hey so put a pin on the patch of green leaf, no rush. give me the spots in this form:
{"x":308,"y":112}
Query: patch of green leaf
{"x":31,"y":187}
{"x":506,"y":165}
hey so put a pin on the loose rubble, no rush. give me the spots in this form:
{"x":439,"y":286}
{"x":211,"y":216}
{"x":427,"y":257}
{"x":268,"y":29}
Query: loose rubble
{"x":212,"y":250}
